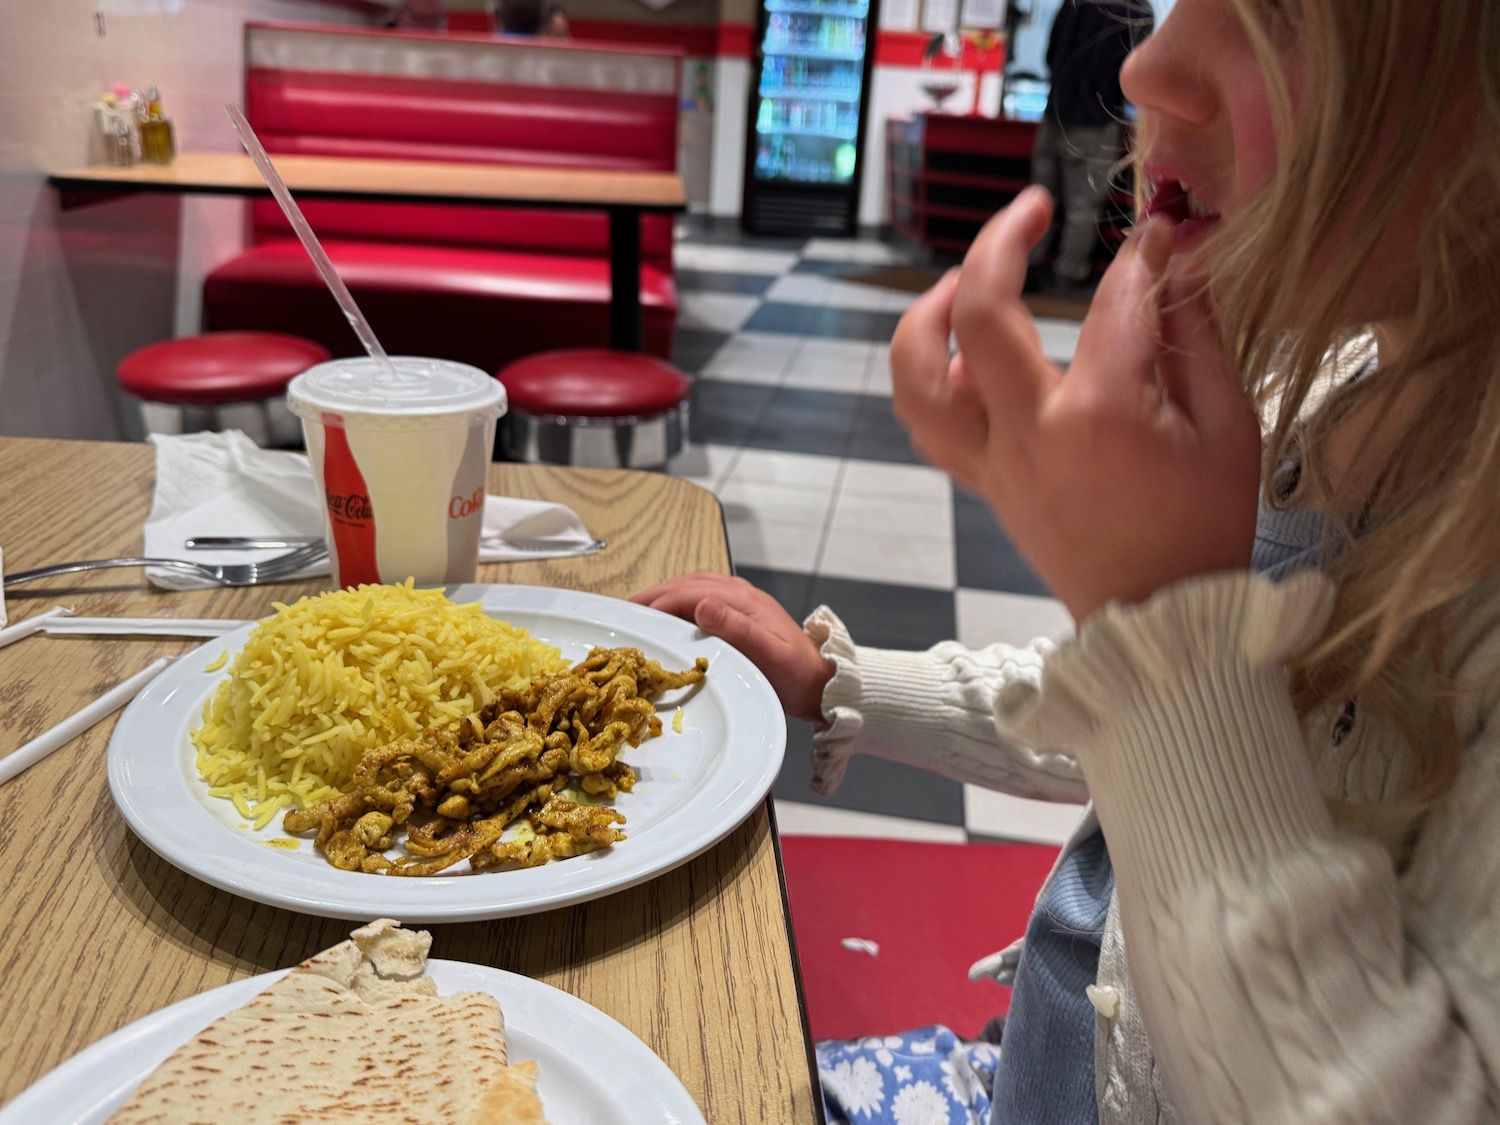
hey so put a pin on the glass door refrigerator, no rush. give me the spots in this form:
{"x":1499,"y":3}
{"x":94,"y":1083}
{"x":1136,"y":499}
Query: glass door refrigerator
{"x":807,"y":121}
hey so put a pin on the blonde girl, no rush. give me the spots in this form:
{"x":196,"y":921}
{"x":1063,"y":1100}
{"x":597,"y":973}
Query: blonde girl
{"x":1266,"y":489}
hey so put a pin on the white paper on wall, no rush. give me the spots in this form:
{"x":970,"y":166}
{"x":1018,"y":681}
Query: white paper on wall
{"x":983,"y":13}
{"x":138,"y":7}
{"x":898,"y":15}
{"x":940,"y":16}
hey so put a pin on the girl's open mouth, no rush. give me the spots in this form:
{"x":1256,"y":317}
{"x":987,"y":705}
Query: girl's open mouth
{"x":1175,"y":202}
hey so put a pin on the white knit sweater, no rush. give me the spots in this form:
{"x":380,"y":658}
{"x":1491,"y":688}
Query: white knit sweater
{"x":1280,"y":969}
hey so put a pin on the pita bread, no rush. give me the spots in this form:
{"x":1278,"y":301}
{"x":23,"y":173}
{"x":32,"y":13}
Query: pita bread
{"x":354,"y":1034}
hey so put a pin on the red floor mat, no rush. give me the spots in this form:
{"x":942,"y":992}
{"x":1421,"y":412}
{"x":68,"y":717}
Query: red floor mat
{"x":931,"y":909}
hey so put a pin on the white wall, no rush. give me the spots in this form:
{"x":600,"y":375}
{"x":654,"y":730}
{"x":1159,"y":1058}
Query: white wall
{"x":732,"y":80}
{"x":695,"y":143}
{"x":80,"y":289}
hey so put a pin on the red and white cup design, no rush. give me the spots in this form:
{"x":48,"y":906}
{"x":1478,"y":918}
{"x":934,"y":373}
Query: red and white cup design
{"x":403,"y":475}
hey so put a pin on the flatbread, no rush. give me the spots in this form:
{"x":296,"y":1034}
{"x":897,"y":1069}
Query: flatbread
{"x":353,"y":1034}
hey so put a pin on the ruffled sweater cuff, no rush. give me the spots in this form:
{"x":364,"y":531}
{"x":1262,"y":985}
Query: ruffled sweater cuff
{"x":858,"y":689}
{"x":933,"y":709}
{"x":1178,"y":711}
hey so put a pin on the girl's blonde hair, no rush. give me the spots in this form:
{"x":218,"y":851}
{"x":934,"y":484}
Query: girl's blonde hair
{"x":1282,"y":275}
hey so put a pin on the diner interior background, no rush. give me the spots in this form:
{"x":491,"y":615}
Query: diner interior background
{"x":791,"y":422}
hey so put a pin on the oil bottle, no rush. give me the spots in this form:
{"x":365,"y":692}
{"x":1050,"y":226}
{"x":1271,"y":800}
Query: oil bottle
{"x":157,"y":145}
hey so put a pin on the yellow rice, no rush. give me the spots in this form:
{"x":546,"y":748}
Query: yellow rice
{"x":332,"y":676}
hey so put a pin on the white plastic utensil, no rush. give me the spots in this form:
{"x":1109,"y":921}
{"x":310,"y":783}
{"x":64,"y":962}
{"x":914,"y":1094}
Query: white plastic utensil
{"x":61,"y":620}
{"x":385,"y":370}
{"x":111,"y":701}
{"x":141,"y":626}
{"x":36,"y":624}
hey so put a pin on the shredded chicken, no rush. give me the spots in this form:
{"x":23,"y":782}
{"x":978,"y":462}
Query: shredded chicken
{"x":455,"y":792}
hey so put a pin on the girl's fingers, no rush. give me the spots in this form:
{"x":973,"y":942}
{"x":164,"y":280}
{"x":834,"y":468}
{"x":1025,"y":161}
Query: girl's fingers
{"x":680,"y":596}
{"x":676,"y":597}
{"x":1151,"y":344}
{"x":996,"y":261}
{"x":954,"y":432}
{"x":945,"y":421}
{"x":776,"y":645}
{"x":992,"y":325}
{"x":1159,"y":336}
{"x":921,"y":338}
{"x":1121,"y":341}
{"x":719,"y":619}
{"x":1193,"y":363}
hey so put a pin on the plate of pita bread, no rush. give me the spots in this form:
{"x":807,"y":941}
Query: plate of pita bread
{"x":369,"y":1030}
{"x":719,"y":749}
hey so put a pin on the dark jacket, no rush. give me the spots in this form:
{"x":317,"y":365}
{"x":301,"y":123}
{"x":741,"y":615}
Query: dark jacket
{"x":1090,"y":39}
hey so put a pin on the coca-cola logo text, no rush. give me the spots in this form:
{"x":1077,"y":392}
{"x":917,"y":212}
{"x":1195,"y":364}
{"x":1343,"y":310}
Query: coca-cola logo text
{"x":354,"y":506}
{"x":461,"y":506}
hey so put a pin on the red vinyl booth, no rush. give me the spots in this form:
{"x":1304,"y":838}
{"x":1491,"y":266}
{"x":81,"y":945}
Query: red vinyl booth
{"x":482,"y":285}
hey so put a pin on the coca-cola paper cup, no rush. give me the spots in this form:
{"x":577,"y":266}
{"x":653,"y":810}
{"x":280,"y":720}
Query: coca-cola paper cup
{"x":401,"y":464}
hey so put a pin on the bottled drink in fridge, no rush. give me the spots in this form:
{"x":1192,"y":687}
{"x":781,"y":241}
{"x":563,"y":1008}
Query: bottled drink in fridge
{"x":806,"y":124}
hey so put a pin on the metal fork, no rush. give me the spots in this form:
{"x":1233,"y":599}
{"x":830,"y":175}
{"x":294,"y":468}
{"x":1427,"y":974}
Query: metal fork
{"x":231,"y":574}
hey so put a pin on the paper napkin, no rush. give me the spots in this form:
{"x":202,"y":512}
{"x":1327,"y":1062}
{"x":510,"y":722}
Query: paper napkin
{"x":225,"y":484}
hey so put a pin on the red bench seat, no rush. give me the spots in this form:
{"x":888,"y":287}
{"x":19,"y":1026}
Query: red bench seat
{"x":479,"y":284}
{"x":485,"y":307}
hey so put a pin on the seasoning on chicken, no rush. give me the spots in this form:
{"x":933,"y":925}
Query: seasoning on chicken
{"x":456,"y":792}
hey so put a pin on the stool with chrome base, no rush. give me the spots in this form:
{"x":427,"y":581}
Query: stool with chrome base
{"x":594,"y":407}
{"x":217,"y":368}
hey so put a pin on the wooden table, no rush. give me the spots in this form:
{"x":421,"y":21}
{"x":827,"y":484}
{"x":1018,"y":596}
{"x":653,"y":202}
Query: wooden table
{"x":98,"y":931}
{"x":623,"y":195}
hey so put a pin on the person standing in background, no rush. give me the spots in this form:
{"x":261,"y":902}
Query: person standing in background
{"x":519,"y":17}
{"x":1078,"y":139}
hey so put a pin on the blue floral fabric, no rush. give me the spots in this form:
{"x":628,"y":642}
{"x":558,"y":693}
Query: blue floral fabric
{"x":925,"y":1077}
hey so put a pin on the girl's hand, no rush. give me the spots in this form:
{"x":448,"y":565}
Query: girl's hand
{"x":753,"y":622}
{"x":1137,"y":468}
{"x":931,"y":393}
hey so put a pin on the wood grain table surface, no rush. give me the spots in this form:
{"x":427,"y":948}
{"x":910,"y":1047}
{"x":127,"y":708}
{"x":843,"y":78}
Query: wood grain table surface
{"x":98,"y":931}
{"x":313,"y":177}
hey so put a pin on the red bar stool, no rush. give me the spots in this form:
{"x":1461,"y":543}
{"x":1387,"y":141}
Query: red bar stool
{"x":595,"y":407}
{"x":218,"y":369}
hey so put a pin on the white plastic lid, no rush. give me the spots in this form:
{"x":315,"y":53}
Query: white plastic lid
{"x":432,"y":389}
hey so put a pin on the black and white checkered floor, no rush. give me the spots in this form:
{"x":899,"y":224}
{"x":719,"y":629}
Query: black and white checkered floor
{"x":792,"y":428}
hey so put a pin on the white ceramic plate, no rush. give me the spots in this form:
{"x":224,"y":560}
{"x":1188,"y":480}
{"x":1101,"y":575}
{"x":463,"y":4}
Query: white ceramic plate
{"x":592,"y":1070}
{"x":695,"y":787}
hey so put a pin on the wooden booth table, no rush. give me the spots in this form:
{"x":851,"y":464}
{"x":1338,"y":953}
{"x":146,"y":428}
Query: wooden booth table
{"x":99,"y":931}
{"x":623,"y":195}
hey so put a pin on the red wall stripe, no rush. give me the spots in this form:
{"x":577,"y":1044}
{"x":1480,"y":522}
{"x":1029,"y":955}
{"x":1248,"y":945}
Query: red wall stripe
{"x":469,"y":21}
{"x":695,"y":41}
{"x":736,"y":40}
{"x":905,"y":48}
